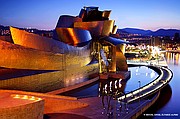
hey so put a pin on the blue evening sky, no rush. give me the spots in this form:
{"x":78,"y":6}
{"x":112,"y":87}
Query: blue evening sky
{"x":43,"y":14}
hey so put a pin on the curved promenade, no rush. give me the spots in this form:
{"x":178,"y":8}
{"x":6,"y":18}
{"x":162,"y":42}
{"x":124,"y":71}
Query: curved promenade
{"x":133,"y":103}
{"x":156,"y":85}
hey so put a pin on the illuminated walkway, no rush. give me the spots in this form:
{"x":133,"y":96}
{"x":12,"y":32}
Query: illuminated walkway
{"x":150,"y":62}
{"x":95,"y":109}
{"x":161,"y":81}
{"x":132,"y":105}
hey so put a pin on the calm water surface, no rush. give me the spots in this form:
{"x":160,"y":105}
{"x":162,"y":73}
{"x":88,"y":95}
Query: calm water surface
{"x":169,"y":101}
{"x":168,"y":104}
{"x":142,"y":74}
{"x":173,"y":105}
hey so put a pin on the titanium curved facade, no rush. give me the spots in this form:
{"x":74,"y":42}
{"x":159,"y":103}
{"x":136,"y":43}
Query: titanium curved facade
{"x":66,"y":21}
{"x":20,"y":57}
{"x":48,"y":64}
{"x":73,"y":36}
{"x":34,"y":41}
{"x":96,"y":28}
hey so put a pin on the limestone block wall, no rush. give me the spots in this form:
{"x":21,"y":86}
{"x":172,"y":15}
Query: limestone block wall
{"x":6,"y":38}
{"x":50,"y":81}
{"x":65,"y":66}
{"x":79,"y":75}
{"x":39,"y":82}
{"x":17,"y":109}
{"x":52,"y":103}
{"x":30,"y":111}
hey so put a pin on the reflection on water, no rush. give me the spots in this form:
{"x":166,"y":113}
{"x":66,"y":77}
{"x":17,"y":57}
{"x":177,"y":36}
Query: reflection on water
{"x":140,"y":76}
{"x":172,"y":58}
{"x":164,"y":98}
{"x":168,"y":102}
{"x":75,"y":80}
{"x":173,"y":106}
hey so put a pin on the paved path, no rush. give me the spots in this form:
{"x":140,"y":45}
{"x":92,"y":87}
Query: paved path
{"x":151,"y":88}
{"x":95,"y":110}
{"x":136,"y":102}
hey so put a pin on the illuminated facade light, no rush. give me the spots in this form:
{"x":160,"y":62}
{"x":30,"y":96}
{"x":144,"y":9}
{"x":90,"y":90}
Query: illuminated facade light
{"x":25,"y":97}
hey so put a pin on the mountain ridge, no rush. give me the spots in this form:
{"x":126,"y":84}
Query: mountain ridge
{"x":159,"y":32}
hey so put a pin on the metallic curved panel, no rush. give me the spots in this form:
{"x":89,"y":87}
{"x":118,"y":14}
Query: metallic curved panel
{"x":73,"y":36}
{"x":96,"y":28}
{"x":107,"y":27}
{"x":114,"y":29}
{"x":94,"y":15}
{"x":112,"y":67}
{"x":83,"y":14}
{"x":106,"y":14}
{"x":115,"y":36}
{"x":114,"y":41}
{"x":19,"y":57}
{"x":121,"y":63}
{"x":34,"y":41}
{"x":67,"y":21}
{"x":90,"y":8}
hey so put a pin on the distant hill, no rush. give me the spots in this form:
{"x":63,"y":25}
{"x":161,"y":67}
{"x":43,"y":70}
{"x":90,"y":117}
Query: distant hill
{"x":165,"y":32}
{"x":160,"y":32}
{"x":136,"y":31}
{"x":4,"y":27}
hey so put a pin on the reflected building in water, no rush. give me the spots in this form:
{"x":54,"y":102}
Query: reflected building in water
{"x":172,"y":57}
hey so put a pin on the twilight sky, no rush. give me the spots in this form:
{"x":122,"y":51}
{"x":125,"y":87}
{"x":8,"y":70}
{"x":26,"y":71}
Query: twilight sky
{"x":43,"y":14}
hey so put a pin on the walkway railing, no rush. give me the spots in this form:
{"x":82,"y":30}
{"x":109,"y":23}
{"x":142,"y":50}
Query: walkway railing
{"x":133,"y":98}
{"x":150,"y":88}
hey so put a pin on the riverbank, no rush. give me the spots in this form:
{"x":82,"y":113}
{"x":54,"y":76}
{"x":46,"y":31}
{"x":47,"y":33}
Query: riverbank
{"x":129,"y":105}
{"x":137,"y":104}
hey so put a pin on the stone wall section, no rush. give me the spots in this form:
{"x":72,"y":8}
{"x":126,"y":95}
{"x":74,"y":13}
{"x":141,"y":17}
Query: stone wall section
{"x":32,"y":110}
{"x":46,"y":82}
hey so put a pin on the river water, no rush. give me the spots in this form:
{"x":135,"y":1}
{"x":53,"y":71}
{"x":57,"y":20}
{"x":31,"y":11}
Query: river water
{"x":140,"y":74}
{"x":168,"y":104}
